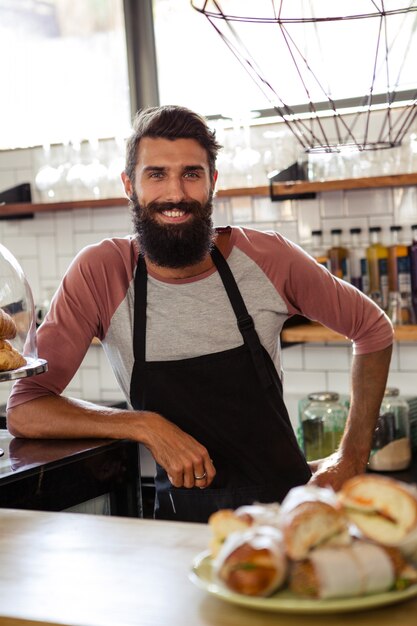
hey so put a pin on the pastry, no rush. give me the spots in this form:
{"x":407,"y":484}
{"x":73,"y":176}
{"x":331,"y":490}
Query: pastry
{"x":10,"y":359}
{"x":7,"y":326}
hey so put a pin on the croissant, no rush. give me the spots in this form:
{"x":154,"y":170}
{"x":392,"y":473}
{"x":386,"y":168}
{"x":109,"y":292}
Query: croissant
{"x":7,"y":326}
{"x":10,"y":359}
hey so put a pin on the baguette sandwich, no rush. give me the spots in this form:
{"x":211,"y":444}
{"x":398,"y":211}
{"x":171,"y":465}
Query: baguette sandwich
{"x":253,"y":562}
{"x":312,"y":517}
{"x":359,"y":569}
{"x":383,"y":510}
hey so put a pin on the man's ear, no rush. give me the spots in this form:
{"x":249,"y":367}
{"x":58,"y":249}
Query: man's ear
{"x":214,"y":181}
{"x":127,"y":184}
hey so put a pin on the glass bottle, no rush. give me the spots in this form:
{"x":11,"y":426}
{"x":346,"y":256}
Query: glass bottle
{"x":317,"y":250}
{"x":377,"y":258}
{"x":338,"y":256}
{"x":357,"y":262}
{"x":391,"y":447}
{"x":399,"y":280}
{"x":323,"y":421}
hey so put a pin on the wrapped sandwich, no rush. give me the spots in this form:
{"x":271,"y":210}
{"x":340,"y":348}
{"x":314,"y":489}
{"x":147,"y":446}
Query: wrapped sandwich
{"x":227,"y":521}
{"x":359,"y":569}
{"x":383,"y":510}
{"x":311,"y":517}
{"x":252,"y":562}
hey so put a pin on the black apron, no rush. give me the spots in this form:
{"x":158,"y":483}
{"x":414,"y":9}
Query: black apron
{"x":231,"y":402}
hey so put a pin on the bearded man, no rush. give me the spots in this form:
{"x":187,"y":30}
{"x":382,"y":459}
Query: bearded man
{"x":190,"y":318}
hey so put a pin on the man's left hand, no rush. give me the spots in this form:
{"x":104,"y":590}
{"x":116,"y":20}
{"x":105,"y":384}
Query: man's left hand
{"x":333,"y":471}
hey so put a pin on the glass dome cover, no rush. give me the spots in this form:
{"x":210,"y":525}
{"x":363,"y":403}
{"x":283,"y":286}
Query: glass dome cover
{"x":17,"y":322}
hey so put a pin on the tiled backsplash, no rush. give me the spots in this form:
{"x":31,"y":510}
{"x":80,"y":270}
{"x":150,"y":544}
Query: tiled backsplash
{"x":46,"y":244}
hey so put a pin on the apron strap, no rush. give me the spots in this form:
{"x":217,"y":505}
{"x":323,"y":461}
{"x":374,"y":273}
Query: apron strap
{"x":137,"y":390}
{"x":244,"y":320}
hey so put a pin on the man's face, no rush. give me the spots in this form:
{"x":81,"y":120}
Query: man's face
{"x":172,"y":201}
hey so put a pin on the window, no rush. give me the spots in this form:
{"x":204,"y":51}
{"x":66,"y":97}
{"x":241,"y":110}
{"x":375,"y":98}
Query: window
{"x":196,"y":67}
{"x":63,"y":72}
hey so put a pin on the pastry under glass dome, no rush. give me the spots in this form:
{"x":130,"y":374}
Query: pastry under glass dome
{"x":16,"y":302}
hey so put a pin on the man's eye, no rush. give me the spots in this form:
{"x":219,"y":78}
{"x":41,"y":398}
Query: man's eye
{"x":156,"y":175}
{"x":191,"y":175}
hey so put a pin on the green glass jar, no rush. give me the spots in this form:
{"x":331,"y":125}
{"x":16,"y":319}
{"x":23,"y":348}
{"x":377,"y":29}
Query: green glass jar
{"x":391,"y":446}
{"x":323,"y":421}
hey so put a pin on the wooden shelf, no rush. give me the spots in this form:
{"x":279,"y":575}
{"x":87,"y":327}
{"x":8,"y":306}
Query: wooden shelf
{"x":27,"y":208}
{"x":371,"y":182}
{"x":279,"y":189}
{"x":316,"y":333}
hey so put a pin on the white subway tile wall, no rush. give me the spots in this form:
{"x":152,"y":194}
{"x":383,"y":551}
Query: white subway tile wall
{"x":46,"y":244}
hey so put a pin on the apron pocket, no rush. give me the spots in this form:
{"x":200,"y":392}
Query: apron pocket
{"x":196,"y":505}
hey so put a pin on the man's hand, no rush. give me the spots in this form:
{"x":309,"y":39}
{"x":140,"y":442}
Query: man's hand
{"x":333,"y":471}
{"x":369,"y":376}
{"x":181,"y":456}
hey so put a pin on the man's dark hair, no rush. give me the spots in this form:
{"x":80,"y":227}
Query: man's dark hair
{"x":170,"y":122}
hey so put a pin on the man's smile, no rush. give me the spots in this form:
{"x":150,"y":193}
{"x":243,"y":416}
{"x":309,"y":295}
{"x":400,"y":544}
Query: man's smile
{"x":174,"y":216}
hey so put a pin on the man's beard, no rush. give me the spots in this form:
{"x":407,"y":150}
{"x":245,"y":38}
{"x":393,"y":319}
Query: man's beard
{"x":174,"y":245}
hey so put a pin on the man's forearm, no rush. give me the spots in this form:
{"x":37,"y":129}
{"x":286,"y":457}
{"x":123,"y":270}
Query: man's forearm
{"x":369,"y":377}
{"x":57,"y":417}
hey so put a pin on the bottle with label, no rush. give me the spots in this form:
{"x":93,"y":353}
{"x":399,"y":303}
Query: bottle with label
{"x":358,"y":264}
{"x":391,"y":447}
{"x":412,"y":255}
{"x":338,"y":256}
{"x":377,"y":258}
{"x":399,"y":280}
{"x":323,"y":420}
{"x":317,"y":250}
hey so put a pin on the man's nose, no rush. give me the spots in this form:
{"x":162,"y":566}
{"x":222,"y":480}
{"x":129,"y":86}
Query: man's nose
{"x":175,"y":189}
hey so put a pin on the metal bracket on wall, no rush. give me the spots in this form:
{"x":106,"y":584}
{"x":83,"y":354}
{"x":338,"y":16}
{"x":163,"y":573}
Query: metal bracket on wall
{"x":292,"y":173}
{"x":15,"y":195}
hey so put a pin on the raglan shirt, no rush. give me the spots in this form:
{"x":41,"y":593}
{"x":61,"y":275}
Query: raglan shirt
{"x":192,"y":317}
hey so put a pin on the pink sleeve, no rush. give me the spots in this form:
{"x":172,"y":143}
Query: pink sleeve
{"x":82,"y":308}
{"x":310,"y":290}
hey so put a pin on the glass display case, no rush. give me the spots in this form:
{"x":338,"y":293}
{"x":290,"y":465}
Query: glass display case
{"x":18,"y":347}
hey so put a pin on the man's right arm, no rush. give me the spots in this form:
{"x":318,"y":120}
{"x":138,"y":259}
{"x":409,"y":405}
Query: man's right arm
{"x":58,"y":417}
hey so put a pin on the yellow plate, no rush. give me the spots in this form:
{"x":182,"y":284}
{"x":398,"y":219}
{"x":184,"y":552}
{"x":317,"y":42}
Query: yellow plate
{"x":286,"y":602}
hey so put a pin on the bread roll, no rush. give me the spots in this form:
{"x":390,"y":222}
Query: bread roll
{"x":253,"y":562}
{"x":359,"y":569}
{"x":222,"y":524}
{"x":310,"y":517}
{"x":10,"y":359}
{"x":7,"y":326}
{"x":226,"y":521}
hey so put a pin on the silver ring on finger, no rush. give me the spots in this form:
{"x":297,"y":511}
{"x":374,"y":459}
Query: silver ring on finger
{"x":202,"y":477}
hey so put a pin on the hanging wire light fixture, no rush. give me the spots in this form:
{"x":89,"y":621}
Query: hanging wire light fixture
{"x":316,"y":52}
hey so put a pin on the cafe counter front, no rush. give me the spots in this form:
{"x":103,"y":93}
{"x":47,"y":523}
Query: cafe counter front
{"x":88,"y":570}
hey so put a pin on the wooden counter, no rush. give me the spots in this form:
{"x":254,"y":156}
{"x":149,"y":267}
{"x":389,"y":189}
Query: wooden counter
{"x":87,"y":570}
{"x":53,"y":475}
